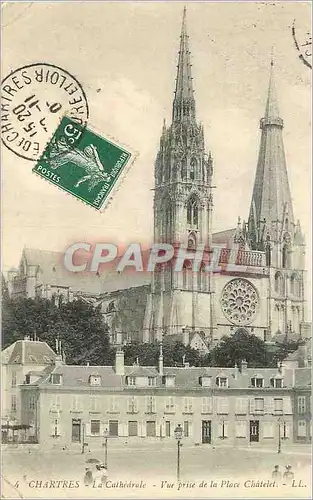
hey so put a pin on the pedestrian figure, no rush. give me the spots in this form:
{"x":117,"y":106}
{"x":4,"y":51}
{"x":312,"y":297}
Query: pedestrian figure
{"x":276,"y":474}
{"x":288,"y":476}
{"x":88,"y":479}
{"x":104,"y":475}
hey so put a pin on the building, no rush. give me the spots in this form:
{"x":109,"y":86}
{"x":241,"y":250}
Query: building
{"x":41,"y":273}
{"x":261,"y":285}
{"x":70,"y":405}
{"x":22,"y":362}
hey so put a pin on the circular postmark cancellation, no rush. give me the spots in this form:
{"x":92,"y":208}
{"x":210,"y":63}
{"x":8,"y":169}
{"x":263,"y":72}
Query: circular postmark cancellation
{"x":34,"y":99}
{"x":302,"y":37}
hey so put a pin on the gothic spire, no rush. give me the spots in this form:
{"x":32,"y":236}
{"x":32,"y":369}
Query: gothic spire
{"x":271,"y":201}
{"x":184,"y":102}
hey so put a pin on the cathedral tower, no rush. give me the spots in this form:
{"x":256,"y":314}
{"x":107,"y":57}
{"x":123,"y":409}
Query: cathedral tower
{"x":182,"y":209}
{"x":271,"y":225}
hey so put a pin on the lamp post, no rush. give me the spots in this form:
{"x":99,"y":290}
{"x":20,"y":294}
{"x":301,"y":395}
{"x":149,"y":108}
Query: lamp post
{"x":178,"y":435}
{"x":83,"y":440}
{"x":106,"y":435}
{"x":279,"y":437}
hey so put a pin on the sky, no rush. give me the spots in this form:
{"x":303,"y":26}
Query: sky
{"x":125,"y":54}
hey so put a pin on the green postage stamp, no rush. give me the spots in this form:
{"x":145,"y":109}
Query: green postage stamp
{"x":82,"y":163}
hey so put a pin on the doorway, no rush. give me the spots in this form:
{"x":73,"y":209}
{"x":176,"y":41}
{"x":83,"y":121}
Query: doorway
{"x":206,"y":431}
{"x":254,"y":431}
{"x":76,"y":430}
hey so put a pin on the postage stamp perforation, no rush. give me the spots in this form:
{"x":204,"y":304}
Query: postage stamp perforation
{"x":88,"y":162}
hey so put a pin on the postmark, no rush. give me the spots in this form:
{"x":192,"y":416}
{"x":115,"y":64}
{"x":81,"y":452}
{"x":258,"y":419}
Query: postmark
{"x":303,"y":42}
{"x":83,"y":163}
{"x":34,"y":99}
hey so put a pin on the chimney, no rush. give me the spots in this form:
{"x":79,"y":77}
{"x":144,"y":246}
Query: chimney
{"x":244,"y":366}
{"x":186,"y":335}
{"x":237,"y":371}
{"x":58,"y":360}
{"x":119,"y":362}
{"x":161,"y":360}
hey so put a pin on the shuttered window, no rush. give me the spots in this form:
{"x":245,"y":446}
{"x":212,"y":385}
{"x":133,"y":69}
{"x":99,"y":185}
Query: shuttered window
{"x":207,"y":405}
{"x":241,"y":429}
{"x":268,"y":429}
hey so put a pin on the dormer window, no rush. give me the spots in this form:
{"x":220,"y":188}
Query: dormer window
{"x":276,"y":382}
{"x":32,"y":358}
{"x":222,"y":381}
{"x":131,"y":380}
{"x":205,"y":381}
{"x":95,"y":380}
{"x":56,"y":378}
{"x":257,"y":381}
{"x":46,"y":359}
{"x":168,"y":380}
{"x":151,"y":381}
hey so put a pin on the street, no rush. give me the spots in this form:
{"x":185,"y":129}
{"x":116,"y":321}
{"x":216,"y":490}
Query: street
{"x":150,"y":470}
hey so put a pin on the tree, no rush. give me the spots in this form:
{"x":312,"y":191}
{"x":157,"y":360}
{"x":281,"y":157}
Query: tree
{"x":79,"y":326}
{"x":173,"y":354}
{"x":237,"y":347}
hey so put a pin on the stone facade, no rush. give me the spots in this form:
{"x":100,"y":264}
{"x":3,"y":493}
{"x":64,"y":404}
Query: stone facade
{"x":240,"y":405}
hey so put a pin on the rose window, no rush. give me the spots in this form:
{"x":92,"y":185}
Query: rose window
{"x":239,"y":301}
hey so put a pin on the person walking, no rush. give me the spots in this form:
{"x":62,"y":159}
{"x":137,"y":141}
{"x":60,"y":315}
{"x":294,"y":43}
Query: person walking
{"x":276,"y":474}
{"x":88,"y":479}
{"x":288,"y":476}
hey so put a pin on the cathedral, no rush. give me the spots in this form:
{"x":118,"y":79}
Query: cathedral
{"x":261,"y":283}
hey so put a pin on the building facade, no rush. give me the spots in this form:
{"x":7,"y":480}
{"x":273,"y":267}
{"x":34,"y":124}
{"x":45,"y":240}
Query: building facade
{"x":71,"y":405}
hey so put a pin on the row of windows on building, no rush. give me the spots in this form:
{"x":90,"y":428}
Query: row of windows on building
{"x":294,"y":285}
{"x":149,"y":404}
{"x":242,"y":405}
{"x":276,"y":382}
{"x":151,"y":428}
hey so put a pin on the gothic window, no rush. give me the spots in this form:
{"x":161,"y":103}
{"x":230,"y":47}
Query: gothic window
{"x":239,"y":301}
{"x":202,"y":278}
{"x":193,"y":212}
{"x":193,"y":166}
{"x":268,"y":252}
{"x":279,"y":283}
{"x":168,"y":220}
{"x":187,"y":275}
{"x":192,"y":240}
{"x":183,"y":168}
{"x":295,"y":288}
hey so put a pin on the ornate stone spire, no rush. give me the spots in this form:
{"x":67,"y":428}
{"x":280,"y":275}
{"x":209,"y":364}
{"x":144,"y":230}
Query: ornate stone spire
{"x":184,"y":102}
{"x":271,"y":204}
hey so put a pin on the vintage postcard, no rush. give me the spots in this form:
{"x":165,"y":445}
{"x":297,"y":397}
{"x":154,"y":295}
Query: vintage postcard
{"x":156,"y":249}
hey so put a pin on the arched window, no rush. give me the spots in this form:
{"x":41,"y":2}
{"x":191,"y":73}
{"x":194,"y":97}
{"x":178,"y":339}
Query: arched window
{"x":295,"y":285}
{"x":285,"y":263}
{"x":193,"y":167}
{"x":202,"y":278}
{"x":192,"y":240}
{"x":187,"y":275}
{"x":193,"y":212}
{"x":279,"y":283}
{"x":168,"y":220}
{"x":268,"y":254}
{"x":183,"y":168}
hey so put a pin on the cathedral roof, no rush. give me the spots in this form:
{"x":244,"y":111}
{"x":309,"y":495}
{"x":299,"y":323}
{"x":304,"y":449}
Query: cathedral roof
{"x":224,"y":237}
{"x":51,"y":271}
